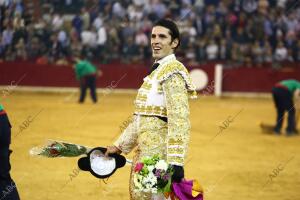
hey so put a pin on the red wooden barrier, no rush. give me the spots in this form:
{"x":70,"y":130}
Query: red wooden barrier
{"x":131,"y":76}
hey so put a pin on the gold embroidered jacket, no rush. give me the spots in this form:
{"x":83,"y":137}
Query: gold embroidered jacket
{"x":164,"y":93}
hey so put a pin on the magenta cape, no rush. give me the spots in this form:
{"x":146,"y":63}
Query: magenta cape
{"x":183,"y":190}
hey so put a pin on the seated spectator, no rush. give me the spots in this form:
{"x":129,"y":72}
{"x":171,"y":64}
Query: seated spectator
{"x":42,"y":60}
{"x":240,"y":36}
{"x":2,"y":49}
{"x":296,"y":51}
{"x":224,"y":50}
{"x":257,"y":53}
{"x":158,"y":8}
{"x":9,"y":54}
{"x":85,"y":16}
{"x":56,"y":49}
{"x":7,"y":36}
{"x":77,"y":23}
{"x":130,"y":51}
{"x":118,"y":10}
{"x":135,"y":12}
{"x":18,"y":21}
{"x":291,"y":22}
{"x":237,"y":54}
{"x":142,"y":41}
{"x":21,"y":52}
{"x":128,"y":29}
{"x":101,"y":43}
{"x":113,"y":43}
{"x":263,"y":6}
{"x":249,"y":5}
{"x":62,"y":38}
{"x":76,"y":47}
{"x":57,"y":22}
{"x":62,"y":60}
{"x":89,"y":38}
{"x":73,"y":34}
{"x":212,"y":50}
{"x":281,"y":52}
{"x":34,"y":48}
{"x":102,"y":30}
{"x":190,"y":54}
{"x":141,"y":38}
{"x":200,"y":50}
{"x":268,"y":54}
{"x":98,"y":22}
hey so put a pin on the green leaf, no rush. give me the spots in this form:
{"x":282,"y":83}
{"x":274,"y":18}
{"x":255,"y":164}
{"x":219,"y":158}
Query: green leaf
{"x":167,"y":188}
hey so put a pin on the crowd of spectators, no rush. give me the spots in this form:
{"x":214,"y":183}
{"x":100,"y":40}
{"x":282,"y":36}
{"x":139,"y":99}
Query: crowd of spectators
{"x":237,"y":32}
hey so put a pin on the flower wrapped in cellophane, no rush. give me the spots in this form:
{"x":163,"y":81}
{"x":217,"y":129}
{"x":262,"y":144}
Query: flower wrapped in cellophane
{"x":152,"y":175}
{"x":54,"y":149}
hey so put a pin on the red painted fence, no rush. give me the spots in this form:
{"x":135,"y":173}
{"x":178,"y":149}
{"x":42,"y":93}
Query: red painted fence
{"x":131,"y":76}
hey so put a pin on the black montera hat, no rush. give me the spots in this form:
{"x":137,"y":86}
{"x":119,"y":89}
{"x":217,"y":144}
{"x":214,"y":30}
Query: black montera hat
{"x":100,"y":165}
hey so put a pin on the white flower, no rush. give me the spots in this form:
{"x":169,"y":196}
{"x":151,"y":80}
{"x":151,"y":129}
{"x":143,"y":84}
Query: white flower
{"x":137,"y":183}
{"x":154,"y":190}
{"x":150,"y":168}
{"x":162,"y":165}
{"x":146,"y":190}
{"x":149,"y":181}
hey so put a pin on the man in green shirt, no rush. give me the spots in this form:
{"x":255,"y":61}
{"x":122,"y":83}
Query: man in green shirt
{"x":86,"y":73}
{"x":283,"y":94}
{"x":8,"y":187}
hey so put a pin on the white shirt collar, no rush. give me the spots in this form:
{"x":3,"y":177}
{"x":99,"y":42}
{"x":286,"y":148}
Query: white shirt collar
{"x":166,"y":59}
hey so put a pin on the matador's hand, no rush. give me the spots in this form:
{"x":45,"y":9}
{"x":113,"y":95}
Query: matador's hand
{"x":178,"y":173}
{"x":112,"y":150}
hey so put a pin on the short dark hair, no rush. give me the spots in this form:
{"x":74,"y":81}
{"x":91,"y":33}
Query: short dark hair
{"x":169,"y":24}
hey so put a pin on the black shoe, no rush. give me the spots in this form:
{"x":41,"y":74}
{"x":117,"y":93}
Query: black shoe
{"x":292,"y":133}
{"x":277,"y":133}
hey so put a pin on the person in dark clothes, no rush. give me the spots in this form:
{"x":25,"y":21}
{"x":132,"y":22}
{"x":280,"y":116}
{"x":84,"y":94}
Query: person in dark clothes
{"x":283,"y":94}
{"x":8,"y":188}
{"x":86,"y":73}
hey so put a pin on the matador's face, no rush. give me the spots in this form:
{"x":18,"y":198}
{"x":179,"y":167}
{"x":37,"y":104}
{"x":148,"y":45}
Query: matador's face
{"x":161,"y":42}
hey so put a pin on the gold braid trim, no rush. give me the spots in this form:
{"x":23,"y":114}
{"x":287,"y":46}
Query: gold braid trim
{"x":175,"y":160}
{"x":176,"y":67}
{"x":176,"y":150}
{"x":146,"y":86}
{"x":150,"y":110}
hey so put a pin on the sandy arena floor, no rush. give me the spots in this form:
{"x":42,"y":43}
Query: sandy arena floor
{"x":236,"y":163}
